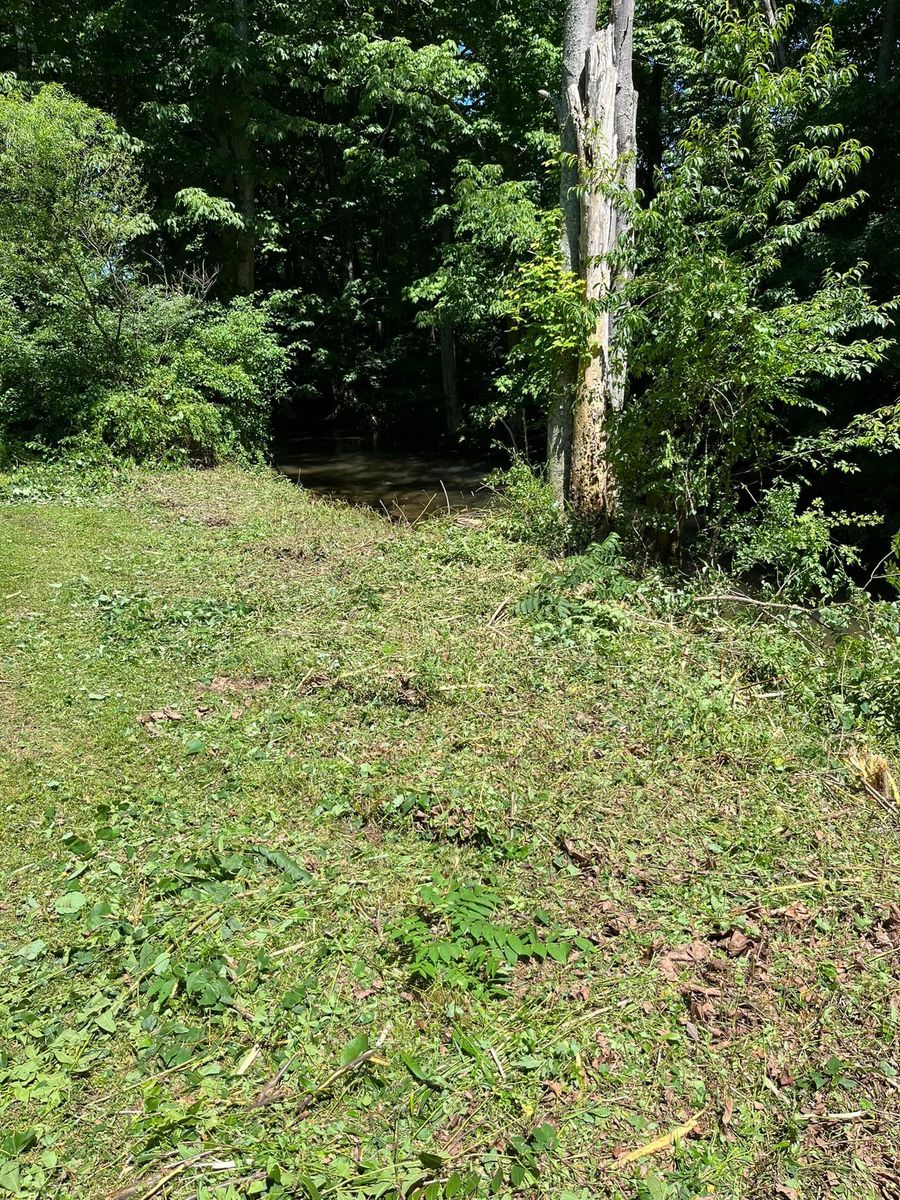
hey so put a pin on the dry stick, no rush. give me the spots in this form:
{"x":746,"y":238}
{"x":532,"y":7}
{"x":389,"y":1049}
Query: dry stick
{"x":737,"y":598}
{"x":834,"y":1118}
{"x":270,"y":1093}
{"x":267,"y":1093}
{"x":661,"y":1143}
{"x":499,"y":609}
{"x":157,"y":1182}
{"x":446,"y":497}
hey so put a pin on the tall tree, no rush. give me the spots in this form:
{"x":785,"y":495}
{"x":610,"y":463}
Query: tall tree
{"x":597,"y":116}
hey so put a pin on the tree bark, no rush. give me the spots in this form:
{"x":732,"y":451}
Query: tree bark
{"x":772,"y":16}
{"x":242,"y":154}
{"x":448,"y":376}
{"x":597,"y":135}
{"x":888,"y":41}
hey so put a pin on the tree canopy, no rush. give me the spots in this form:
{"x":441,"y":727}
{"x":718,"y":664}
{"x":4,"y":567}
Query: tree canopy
{"x":381,"y":183}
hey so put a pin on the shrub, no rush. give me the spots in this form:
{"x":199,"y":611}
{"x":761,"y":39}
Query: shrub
{"x":792,"y":551}
{"x":528,"y":510}
{"x":206,"y":394}
{"x":88,"y":344}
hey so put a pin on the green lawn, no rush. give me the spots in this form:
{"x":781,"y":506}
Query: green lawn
{"x":243,"y":730}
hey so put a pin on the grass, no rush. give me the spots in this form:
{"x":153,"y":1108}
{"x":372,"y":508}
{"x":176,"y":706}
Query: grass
{"x":325,"y":874}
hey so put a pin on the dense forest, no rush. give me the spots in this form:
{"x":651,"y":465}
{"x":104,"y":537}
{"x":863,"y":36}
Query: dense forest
{"x":222,"y":221}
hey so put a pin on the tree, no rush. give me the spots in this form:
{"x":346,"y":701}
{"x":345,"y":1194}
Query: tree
{"x":90,"y":343}
{"x":737,"y":314}
{"x":597,"y":114}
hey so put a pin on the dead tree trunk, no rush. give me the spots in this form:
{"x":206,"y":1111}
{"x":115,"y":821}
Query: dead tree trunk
{"x":597,"y":113}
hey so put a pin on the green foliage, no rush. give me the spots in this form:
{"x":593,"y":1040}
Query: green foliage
{"x":87,"y":343}
{"x":581,"y":602}
{"x":793,"y":553}
{"x":862,"y":684}
{"x":528,"y":510}
{"x":453,"y":939}
{"x":723,"y":343}
{"x":204,"y":381}
{"x":494,"y":222}
{"x":554,"y":321}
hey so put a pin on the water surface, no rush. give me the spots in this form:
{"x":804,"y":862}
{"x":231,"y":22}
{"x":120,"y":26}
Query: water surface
{"x":405,"y":486}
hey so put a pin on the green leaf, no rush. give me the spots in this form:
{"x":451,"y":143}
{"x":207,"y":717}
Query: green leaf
{"x":558,"y":951}
{"x":70,"y":903}
{"x":32,"y":951}
{"x":106,"y":1021}
{"x":9,"y":1178}
{"x":354,"y":1049}
{"x":434,"y":1162}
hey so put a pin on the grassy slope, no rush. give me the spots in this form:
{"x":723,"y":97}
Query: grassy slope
{"x":645,"y":795}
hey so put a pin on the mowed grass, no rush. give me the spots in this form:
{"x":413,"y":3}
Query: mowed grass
{"x":241,"y":730}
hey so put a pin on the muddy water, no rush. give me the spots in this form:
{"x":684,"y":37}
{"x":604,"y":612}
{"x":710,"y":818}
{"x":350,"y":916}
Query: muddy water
{"x":404,"y":486}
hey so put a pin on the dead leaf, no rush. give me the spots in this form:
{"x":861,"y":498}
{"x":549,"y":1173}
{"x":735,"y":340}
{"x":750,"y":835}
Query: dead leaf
{"x":727,"y":1111}
{"x":738,"y":943}
{"x":693,"y":954}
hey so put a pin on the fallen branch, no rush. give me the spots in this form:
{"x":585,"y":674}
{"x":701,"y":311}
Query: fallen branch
{"x":834,"y":1118}
{"x":738,"y":598}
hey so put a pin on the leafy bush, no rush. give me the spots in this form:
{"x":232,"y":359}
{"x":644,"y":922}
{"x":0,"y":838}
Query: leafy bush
{"x":528,"y":510}
{"x":88,"y":344}
{"x":793,"y":552}
{"x":721,"y":346}
{"x":865,"y":678}
{"x":205,"y":395}
{"x":581,"y":602}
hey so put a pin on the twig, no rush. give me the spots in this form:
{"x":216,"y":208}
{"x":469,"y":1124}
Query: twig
{"x":446,"y":497}
{"x":271,"y":1093}
{"x":155,"y":1183}
{"x":833,"y":1118}
{"x":884,"y":953}
{"x":499,"y":609}
{"x":661,"y":1143}
{"x":737,"y":598}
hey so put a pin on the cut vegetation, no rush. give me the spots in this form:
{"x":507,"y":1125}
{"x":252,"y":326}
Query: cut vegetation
{"x":343,"y":859}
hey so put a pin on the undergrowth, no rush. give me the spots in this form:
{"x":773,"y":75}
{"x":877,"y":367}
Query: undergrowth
{"x":349,"y":860}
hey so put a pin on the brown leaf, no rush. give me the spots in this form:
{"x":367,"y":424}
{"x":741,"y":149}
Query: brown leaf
{"x":692,"y":954}
{"x":737,"y":944}
{"x":727,"y":1111}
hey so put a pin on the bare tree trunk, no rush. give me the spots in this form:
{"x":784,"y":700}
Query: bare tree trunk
{"x":448,"y":375}
{"x":597,"y":134}
{"x":888,"y":41}
{"x":245,"y":182}
{"x":580,"y":23}
{"x":772,"y":16}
